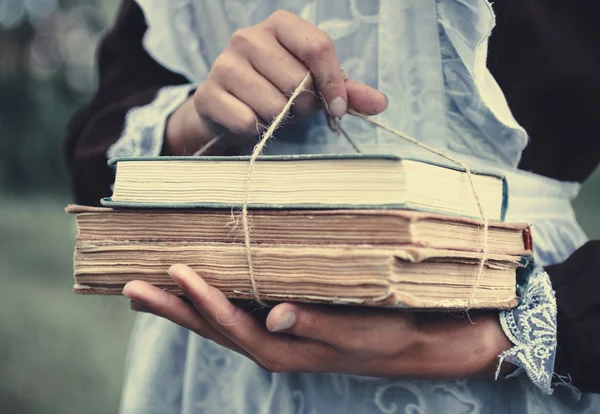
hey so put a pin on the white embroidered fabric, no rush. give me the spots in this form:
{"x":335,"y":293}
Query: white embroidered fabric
{"x":531,"y":327}
{"x":428,"y":57}
{"x":144,"y":128}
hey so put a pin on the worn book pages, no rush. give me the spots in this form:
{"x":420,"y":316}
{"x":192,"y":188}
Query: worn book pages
{"x":363,"y":275}
{"x":368,"y":227}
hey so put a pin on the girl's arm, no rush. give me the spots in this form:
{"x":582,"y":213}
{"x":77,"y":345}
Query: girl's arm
{"x":246,"y":86}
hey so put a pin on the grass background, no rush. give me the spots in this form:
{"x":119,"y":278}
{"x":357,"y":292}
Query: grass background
{"x":59,"y":352}
{"x":62,"y":353}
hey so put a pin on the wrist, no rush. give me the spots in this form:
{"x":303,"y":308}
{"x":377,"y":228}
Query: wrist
{"x":185,"y":131}
{"x":496,"y":342}
{"x":460,"y":348}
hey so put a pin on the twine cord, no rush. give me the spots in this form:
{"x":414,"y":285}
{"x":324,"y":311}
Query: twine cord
{"x":464,"y":166}
{"x":258,"y":149}
{"x":335,"y":125}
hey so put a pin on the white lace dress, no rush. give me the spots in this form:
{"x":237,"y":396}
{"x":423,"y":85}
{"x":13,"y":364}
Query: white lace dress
{"x":429,"y":58}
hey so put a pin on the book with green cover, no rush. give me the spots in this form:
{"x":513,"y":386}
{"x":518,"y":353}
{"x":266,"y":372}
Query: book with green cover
{"x":336,"y":181}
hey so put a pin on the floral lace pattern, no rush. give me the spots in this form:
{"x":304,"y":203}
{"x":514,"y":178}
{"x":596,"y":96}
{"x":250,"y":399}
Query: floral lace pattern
{"x":145,"y":126}
{"x":531,"y":327}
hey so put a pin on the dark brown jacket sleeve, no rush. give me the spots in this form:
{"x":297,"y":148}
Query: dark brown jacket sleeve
{"x":577,"y":286}
{"x":545,"y":56}
{"x":128,"y":77}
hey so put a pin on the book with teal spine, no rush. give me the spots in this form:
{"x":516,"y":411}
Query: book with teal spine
{"x":323,"y":181}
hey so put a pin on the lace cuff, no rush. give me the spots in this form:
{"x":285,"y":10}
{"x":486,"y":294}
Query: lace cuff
{"x":531,"y":327}
{"x":144,"y":129}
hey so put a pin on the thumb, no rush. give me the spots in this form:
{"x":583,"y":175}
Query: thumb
{"x":364,"y":99}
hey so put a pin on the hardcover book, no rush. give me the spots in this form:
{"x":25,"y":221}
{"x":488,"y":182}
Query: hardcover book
{"x":305,"y":181}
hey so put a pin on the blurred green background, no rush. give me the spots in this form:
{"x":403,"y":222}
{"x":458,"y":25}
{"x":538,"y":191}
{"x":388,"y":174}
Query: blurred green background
{"x":61,"y":353}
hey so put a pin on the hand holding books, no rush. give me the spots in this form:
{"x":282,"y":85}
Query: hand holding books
{"x":409,"y":276}
{"x":312,"y":241}
{"x":344,"y":176}
{"x":369,"y":342}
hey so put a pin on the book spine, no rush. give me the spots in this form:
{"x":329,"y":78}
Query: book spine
{"x":527,"y":239}
{"x":504,"y":208}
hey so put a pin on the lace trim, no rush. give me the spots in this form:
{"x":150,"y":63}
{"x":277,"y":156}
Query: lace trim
{"x":144,"y":128}
{"x":531,"y":327}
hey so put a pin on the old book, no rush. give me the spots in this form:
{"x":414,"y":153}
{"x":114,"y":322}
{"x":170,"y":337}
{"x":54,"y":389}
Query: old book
{"x":305,"y":181}
{"x":377,"y":276}
{"x":316,"y":227}
{"x":370,"y":257}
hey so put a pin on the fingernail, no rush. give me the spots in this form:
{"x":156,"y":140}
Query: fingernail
{"x":183,"y":274}
{"x":286,"y":321}
{"x":387,"y":100}
{"x":338,"y":106}
{"x":125,"y":291}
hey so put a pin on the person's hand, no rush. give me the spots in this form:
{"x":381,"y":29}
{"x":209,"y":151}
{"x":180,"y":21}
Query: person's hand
{"x":250,"y":82}
{"x":311,"y":338}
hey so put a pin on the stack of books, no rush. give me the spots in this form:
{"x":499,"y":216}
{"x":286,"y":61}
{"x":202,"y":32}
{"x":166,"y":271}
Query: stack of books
{"x":349,"y":229}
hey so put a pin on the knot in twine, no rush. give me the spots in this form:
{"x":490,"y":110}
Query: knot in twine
{"x":334,"y":123}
